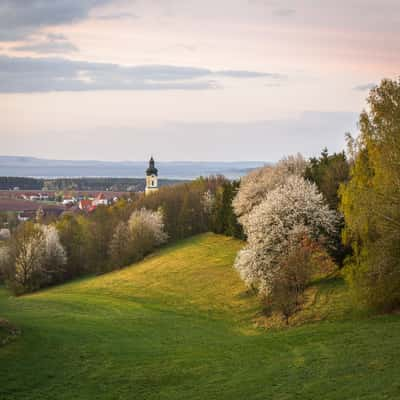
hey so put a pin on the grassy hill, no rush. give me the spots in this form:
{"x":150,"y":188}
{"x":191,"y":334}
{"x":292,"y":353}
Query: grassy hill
{"x":179,"y":325}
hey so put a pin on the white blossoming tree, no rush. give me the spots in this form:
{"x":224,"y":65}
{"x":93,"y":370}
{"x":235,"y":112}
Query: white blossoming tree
{"x":134,"y":239}
{"x":292,"y":209}
{"x":54,"y":254}
{"x":148,"y":223}
{"x":255,"y":185}
{"x":121,"y":248}
{"x":36,"y":257}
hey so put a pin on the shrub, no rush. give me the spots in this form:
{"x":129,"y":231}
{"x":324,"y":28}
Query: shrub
{"x":303,"y":258}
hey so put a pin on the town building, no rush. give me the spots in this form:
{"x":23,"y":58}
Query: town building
{"x":151,"y":178}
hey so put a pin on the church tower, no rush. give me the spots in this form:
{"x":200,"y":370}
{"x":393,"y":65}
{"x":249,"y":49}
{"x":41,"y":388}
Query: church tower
{"x":151,"y":178}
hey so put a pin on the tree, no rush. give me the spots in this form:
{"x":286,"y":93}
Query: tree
{"x":255,"y":186}
{"x":328,"y":172}
{"x":72,"y":238}
{"x":4,"y":261}
{"x":54,"y":258}
{"x":303,"y":258}
{"x":122,"y":250}
{"x":27,"y":252}
{"x":224,"y":219}
{"x":36,"y":257}
{"x":101,"y":226}
{"x":370,"y":201}
{"x":294,"y":206}
{"x":147,"y":230}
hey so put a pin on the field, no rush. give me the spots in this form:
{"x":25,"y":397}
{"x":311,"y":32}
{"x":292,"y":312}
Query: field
{"x":180,"y":325}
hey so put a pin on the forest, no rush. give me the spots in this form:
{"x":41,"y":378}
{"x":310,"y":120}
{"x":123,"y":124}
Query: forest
{"x":95,"y":184}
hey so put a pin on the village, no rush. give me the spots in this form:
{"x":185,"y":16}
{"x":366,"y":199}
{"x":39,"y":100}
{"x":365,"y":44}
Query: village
{"x":29,"y":205}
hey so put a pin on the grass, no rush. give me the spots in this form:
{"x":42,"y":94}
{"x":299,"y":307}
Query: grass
{"x":180,"y":325}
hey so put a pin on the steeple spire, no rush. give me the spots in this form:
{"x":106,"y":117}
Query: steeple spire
{"x":152,"y":170}
{"x":151,"y":177}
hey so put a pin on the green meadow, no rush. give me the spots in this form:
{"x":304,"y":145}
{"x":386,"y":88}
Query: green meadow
{"x":181,"y":325}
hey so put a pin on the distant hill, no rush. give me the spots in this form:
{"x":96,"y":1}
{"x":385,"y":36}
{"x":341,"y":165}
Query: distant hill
{"x":44,"y":168}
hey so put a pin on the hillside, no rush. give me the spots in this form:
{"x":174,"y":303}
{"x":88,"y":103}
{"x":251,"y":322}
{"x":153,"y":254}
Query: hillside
{"x":180,"y":325}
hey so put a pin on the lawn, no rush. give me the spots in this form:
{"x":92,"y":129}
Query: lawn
{"x":180,"y":325}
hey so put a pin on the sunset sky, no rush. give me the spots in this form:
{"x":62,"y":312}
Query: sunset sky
{"x":189,"y":80}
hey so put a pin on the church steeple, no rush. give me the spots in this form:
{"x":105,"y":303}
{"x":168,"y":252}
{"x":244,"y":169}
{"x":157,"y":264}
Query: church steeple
{"x":151,"y":177}
{"x":152,"y":170}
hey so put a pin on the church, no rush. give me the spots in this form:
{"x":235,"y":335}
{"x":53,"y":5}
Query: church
{"x":151,"y":178}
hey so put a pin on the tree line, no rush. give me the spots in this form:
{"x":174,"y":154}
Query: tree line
{"x":46,"y":252}
{"x":82,"y":184}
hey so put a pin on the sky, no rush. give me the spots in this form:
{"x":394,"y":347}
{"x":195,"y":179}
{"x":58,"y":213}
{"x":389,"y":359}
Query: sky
{"x":226,"y":80}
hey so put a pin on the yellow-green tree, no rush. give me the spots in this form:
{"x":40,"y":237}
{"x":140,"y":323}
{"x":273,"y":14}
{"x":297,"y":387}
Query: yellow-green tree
{"x":370,"y":201}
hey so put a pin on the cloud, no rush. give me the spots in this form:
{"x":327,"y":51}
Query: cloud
{"x":249,"y":74}
{"x":27,"y":75}
{"x":56,"y":36}
{"x":48,"y":47}
{"x":20,"y":18}
{"x":116,"y":16}
{"x":364,"y":87}
{"x":284,"y":12}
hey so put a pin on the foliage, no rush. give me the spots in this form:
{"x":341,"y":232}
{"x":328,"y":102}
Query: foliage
{"x":8,"y":219}
{"x":299,"y":263}
{"x":73,"y":238}
{"x":137,"y":237}
{"x":370,"y":201}
{"x":255,"y":186}
{"x":195,"y":207}
{"x":292,"y":208}
{"x":4,"y":261}
{"x":223,"y":218}
{"x":121,"y":247}
{"x":92,"y":184}
{"x":328,"y":172}
{"x":147,"y":231}
{"x":11,"y":182}
{"x":35,"y":257}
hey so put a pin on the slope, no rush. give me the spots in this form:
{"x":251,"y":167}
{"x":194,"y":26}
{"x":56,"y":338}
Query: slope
{"x":180,"y":325}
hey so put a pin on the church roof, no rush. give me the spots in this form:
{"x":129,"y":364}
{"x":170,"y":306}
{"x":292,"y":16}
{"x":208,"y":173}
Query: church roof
{"x":152,"y":170}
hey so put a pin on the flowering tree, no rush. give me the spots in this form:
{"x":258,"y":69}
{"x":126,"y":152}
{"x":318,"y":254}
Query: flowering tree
{"x":121,"y":248}
{"x":150,"y":223}
{"x":133,"y":239}
{"x":255,"y":186}
{"x":54,"y":257}
{"x":36,"y":257}
{"x":293,"y":209}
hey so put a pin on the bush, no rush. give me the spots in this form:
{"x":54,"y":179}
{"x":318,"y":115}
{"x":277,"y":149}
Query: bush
{"x":302,"y":260}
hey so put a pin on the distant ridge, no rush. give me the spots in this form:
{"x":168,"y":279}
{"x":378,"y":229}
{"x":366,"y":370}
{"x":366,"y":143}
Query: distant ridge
{"x":45,"y":168}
